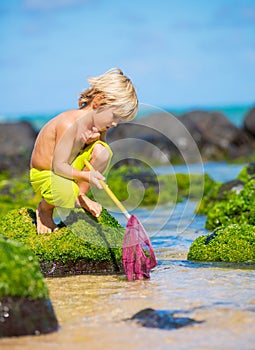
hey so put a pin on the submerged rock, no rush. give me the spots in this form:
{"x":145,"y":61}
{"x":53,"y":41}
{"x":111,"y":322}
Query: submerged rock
{"x":83,"y":245}
{"x":25,"y":307}
{"x":162,"y":319}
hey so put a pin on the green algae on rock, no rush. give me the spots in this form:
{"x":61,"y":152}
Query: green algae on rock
{"x":25,"y":307}
{"x":236,"y":208}
{"x":20,"y":272}
{"x":230,"y":210}
{"x":84,"y":245}
{"x":15,"y":192}
{"x":233,"y":243}
{"x":247,"y":172}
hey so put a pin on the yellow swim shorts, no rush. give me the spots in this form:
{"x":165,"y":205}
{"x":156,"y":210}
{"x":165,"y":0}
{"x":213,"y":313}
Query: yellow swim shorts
{"x":57,"y":190}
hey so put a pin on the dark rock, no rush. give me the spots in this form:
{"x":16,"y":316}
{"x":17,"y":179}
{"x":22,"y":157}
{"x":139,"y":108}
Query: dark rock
{"x":16,"y":144}
{"x":210,"y":237}
{"x":140,"y":142}
{"x":251,"y":169}
{"x":158,"y":137}
{"x":162,"y":319}
{"x":249,"y":121}
{"x":216,"y":137}
{"x":80,"y":267}
{"x":233,"y":185}
{"x":25,"y":316}
{"x":194,"y":136}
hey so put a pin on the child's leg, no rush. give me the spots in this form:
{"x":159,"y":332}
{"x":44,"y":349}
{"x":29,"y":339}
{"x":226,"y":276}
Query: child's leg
{"x":56,"y":191}
{"x":44,"y":220}
{"x":100,"y":157}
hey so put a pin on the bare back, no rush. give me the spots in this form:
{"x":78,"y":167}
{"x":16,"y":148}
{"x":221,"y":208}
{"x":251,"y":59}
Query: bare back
{"x":50,"y":135}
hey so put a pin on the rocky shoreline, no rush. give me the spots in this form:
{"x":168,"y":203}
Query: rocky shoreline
{"x":193,"y":137}
{"x":215,"y":137}
{"x":159,"y":137}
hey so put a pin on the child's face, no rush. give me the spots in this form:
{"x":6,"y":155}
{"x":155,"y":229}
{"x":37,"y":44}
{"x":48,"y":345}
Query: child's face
{"x":105,"y":119}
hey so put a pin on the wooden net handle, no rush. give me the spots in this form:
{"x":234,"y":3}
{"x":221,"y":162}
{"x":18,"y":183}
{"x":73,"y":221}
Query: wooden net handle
{"x":109,"y":192}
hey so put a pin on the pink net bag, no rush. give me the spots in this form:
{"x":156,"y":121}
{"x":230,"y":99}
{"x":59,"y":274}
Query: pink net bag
{"x":137,"y":253}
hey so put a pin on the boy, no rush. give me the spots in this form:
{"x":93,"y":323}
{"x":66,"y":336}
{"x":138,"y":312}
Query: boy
{"x":57,"y":162}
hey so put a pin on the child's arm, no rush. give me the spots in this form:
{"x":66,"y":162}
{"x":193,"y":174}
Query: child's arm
{"x":62,"y":155}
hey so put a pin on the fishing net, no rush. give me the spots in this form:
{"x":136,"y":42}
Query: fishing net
{"x":137,"y":255}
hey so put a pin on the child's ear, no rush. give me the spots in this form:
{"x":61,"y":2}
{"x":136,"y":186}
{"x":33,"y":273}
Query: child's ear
{"x":97,"y":101}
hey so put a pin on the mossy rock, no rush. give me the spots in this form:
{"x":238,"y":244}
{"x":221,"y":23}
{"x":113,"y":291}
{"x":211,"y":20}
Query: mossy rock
{"x":239,"y":208}
{"x":20,"y":272}
{"x":247,"y":172}
{"x":16,"y":192}
{"x":25,"y":307}
{"x":220,"y":194}
{"x":233,"y":243}
{"x":83,"y":245}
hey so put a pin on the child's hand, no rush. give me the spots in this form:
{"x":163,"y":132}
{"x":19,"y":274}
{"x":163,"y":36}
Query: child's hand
{"x":90,"y":136}
{"x":95,"y":177}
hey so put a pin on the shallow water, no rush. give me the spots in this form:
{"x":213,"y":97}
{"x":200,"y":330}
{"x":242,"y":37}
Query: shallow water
{"x":219,"y":171}
{"x":93,"y":310}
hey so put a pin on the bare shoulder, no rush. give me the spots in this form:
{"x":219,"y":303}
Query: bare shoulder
{"x":66,"y":121}
{"x":59,"y":125}
{"x":67,"y":118}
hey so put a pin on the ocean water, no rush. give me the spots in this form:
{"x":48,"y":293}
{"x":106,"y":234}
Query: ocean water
{"x":235,"y":114}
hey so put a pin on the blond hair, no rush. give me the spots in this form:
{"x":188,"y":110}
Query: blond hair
{"x":116,"y":91}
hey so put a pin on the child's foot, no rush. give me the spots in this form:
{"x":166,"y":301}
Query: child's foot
{"x":44,"y":221}
{"x":93,"y":207}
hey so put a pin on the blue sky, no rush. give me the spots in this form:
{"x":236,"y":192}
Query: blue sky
{"x":178,"y":53}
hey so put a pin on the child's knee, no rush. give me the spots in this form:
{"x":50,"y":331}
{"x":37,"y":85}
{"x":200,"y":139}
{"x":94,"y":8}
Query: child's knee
{"x":100,"y":155}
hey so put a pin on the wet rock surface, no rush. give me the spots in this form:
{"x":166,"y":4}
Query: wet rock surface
{"x":162,"y":319}
{"x":80,"y":267}
{"x":25,"y":316}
